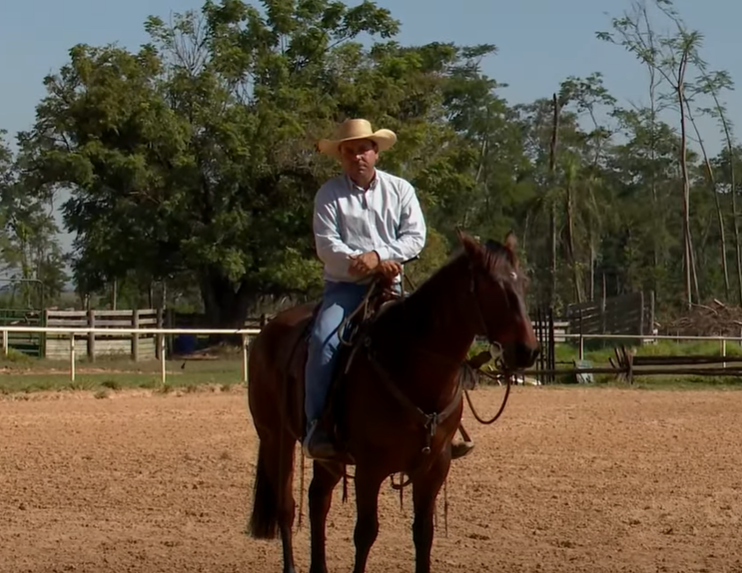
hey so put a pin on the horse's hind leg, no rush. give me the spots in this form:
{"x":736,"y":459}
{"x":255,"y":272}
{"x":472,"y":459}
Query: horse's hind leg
{"x":326,"y":477}
{"x":273,"y":501}
{"x":425,"y":489}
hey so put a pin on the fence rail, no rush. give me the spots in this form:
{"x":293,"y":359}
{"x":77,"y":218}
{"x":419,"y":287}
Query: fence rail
{"x":72,"y":334}
{"x":104,"y":340}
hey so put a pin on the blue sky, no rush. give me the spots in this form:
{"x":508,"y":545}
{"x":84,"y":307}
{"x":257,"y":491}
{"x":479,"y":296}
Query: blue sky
{"x":540,"y":42}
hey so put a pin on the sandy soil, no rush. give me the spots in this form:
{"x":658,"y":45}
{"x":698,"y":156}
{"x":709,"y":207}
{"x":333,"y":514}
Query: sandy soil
{"x":569,"y":480}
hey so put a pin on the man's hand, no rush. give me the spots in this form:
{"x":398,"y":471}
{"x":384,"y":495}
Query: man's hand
{"x":389,"y":269}
{"x":361,"y":265}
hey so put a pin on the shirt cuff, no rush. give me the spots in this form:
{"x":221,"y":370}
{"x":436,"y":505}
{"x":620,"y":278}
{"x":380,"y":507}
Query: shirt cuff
{"x":383,"y":253}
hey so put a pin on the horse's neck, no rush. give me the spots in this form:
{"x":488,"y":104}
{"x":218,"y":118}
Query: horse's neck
{"x":431,"y":331}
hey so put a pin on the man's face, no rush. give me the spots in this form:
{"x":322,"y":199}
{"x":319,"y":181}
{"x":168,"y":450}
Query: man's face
{"x":358,"y":157}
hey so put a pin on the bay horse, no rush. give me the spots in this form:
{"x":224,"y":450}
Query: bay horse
{"x":401,"y":399}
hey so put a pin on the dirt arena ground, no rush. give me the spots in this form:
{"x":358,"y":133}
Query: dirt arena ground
{"x":569,"y":480}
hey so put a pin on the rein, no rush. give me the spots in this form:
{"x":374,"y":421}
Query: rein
{"x":430,"y":422}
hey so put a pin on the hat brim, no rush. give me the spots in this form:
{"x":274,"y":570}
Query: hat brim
{"x":384,"y":139}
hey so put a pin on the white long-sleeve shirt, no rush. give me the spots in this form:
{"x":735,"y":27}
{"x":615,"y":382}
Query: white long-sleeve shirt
{"x":350,"y":221}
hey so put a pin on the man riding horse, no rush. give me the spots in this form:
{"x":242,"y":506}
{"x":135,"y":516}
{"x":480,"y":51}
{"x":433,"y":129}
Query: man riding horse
{"x":366,"y":221}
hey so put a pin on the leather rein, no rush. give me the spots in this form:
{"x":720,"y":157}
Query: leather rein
{"x":431,"y":421}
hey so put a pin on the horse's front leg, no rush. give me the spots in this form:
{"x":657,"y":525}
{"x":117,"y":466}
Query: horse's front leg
{"x":325,"y":479}
{"x":368,"y":483}
{"x":425,"y":489}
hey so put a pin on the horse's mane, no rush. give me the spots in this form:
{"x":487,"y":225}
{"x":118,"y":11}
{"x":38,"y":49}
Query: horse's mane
{"x":416,"y":309}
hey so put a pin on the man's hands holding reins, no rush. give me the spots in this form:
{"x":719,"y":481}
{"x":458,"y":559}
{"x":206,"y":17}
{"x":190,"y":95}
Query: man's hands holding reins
{"x":367,"y":263}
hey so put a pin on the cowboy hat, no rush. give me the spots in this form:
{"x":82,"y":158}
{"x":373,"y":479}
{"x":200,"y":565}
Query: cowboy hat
{"x":352,"y":129}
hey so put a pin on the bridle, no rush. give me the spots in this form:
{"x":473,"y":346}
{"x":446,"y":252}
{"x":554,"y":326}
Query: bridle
{"x":474,"y":293}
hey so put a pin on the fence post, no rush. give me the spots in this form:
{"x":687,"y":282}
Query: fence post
{"x":169,"y":321}
{"x":5,"y":343}
{"x":135,"y":335}
{"x":582,"y":340}
{"x":552,"y":346}
{"x":72,"y":356}
{"x":91,"y":335}
{"x":602,"y":307}
{"x":542,"y":342}
{"x":244,"y":358}
{"x":42,"y":339}
{"x":160,"y":336}
{"x":163,"y":356}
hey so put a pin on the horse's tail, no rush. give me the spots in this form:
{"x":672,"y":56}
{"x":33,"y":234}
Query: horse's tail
{"x":264,"y":518}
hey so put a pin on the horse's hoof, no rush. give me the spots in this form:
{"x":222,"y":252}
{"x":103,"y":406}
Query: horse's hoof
{"x":461,"y":449}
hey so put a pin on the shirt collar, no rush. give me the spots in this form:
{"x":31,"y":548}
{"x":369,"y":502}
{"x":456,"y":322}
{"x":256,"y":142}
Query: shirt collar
{"x":353,"y":187}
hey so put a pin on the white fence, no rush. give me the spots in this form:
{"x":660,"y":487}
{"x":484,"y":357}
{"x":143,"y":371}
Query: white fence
{"x":159,"y":332}
{"x":247,"y":332}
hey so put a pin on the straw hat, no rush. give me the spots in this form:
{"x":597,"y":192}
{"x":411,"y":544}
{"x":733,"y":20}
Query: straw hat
{"x":352,"y":129}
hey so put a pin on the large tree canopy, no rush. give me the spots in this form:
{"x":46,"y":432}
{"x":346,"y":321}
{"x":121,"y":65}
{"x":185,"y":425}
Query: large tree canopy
{"x":191,"y":161}
{"x":196,"y":154}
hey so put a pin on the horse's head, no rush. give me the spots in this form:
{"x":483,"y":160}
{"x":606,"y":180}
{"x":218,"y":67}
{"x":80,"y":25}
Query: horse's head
{"x":498,"y":291}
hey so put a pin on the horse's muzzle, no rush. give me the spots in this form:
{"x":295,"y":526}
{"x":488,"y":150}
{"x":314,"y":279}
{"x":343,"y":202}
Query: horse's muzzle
{"x":520,"y":355}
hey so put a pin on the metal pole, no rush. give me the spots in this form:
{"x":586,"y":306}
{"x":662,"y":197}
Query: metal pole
{"x":163,"y":369}
{"x":244,"y":358}
{"x":72,"y":356}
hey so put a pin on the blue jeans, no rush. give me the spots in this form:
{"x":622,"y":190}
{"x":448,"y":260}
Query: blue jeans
{"x":339,"y":300}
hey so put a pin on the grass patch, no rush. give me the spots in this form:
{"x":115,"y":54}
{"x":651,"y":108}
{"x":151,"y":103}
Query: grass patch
{"x":599,"y":352}
{"x":35,"y":375}
{"x":20,"y":373}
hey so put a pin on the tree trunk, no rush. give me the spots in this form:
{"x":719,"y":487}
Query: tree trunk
{"x":733,"y":193}
{"x":717,"y":202}
{"x":225,"y":303}
{"x":569,"y":214}
{"x":687,"y":245}
{"x":552,"y":210}
{"x":735,"y":218}
{"x":591,"y":286}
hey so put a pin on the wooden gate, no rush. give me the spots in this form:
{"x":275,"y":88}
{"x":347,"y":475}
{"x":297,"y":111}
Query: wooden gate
{"x":544,"y":327}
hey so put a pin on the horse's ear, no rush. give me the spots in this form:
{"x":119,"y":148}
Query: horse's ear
{"x":470,"y":244}
{"x":460,"y":234}
{"x":511,"y":242}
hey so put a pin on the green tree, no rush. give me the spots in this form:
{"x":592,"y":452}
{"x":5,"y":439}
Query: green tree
{"x":31,"y":255}
{"x":195,"y":154}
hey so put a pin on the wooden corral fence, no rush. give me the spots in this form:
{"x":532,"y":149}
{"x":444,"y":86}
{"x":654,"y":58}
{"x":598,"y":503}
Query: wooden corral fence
{"x":29,"y":343}
{"x":199,"y":320}
{"x":631,"y":313}
{"x":545,"y":329}
{"x":627,"y":366}
{"x":146,"y":346}
{"x":137,"y":346}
